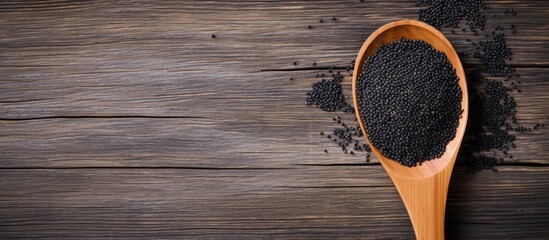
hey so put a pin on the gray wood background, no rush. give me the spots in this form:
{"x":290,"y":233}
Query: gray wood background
{"x":126,"y":119}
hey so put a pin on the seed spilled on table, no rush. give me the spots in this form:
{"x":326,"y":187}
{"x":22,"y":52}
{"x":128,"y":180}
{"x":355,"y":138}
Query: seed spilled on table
{"x":485,"y":139}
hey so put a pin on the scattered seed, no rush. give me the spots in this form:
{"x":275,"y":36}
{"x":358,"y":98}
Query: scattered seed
{"x":327,"y":95}
{"x":493,"y":54}
{"x":490,"y":102}
{"x":448,"y":13}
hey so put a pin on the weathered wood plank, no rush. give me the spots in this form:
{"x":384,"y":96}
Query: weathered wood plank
{"x":181,"y":100}
{"x":257,"y":124}
{"x":265,"y":124}
{"x":158,"y":59}
{"x":310,"y":202}
{"x":262,"y":139}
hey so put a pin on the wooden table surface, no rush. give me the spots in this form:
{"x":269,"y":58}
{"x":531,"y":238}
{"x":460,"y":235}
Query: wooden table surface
{"x":127,"y":119}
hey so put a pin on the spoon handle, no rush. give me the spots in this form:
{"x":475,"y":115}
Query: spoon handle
{"x":425,"y":201}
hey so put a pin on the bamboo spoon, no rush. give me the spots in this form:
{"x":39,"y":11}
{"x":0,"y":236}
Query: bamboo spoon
{"x":423,"y":188}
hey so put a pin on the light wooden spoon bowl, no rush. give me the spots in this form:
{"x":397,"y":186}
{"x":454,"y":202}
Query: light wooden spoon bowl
{"x":423,"y":188}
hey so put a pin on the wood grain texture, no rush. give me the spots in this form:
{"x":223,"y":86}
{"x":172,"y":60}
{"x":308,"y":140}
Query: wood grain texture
{"x":311,"y":202}
{"x":254,"y":142}
{"x":126,"y":119}
{"x":104,"y":58}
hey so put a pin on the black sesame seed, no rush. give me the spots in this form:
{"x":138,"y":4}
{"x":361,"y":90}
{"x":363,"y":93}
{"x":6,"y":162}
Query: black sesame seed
{"x":328,"y":96}
{"x":399,"y":70}
{"x":448,"y":13}
{"x":213,"y":36}
{"x":493,"y":54}
{"x":490,"y":103}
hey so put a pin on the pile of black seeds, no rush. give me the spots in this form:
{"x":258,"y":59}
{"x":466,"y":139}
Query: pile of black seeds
{"x":410,"y":101}
{"x":493,"y":55}
{"x":327,"y":95}
{"x":491,"y":118}
{"x":448,"y":13}
{"x":488,"y":139}
{"x":486,"y":142}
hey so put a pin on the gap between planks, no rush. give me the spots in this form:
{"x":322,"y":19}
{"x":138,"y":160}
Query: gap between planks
{"x":465,"y":65}
{"x":372,"y":164}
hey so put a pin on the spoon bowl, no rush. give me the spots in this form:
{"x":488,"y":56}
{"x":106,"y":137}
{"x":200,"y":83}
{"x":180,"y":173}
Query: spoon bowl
{"x":423,"y":188}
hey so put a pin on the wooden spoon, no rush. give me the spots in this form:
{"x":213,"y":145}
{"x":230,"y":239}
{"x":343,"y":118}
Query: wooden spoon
{"x":423,"y":188}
